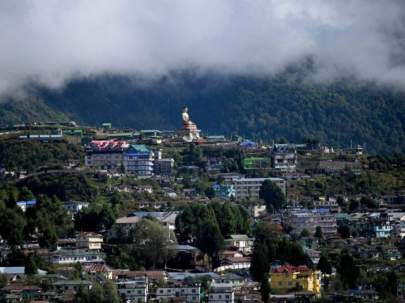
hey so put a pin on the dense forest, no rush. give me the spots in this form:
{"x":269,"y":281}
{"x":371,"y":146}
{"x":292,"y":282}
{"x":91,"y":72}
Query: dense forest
{"x":284,"y":107}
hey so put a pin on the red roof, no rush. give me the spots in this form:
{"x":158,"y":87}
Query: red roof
{"x":105,"y":145}
{"x":289,"y":269}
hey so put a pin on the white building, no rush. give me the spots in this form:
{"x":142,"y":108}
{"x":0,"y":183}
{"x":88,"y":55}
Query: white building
{"x":249,"y":188}
{"x":133,"y":290}
{"x":284,"y":157}
{"x":76,"y":256}
{"x":189,"y":294}
{"x":221,"y":295}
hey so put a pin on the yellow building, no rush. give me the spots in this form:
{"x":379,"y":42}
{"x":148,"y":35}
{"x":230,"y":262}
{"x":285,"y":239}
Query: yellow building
{"x":289,"y":278}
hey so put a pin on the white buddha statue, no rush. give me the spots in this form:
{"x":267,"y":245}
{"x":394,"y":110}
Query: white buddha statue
{"x":192,"y":133}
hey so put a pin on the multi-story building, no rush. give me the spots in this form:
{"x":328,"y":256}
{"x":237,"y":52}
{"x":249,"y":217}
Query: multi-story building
{"x":221,"y":295}
{"x":287,"y":278}
{"x":189,"y":294}
{"x":139,"y":160}
{"x":105,"y":154}
{"x":300,"y":219}
{"x":133,"y":290}
{"x":163,"y":167}
{"x":284,"y":157}
{"x":249,"y":188}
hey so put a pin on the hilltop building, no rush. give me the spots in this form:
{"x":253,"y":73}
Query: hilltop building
{"x":105,"y":154}
{"x":284,"y":157}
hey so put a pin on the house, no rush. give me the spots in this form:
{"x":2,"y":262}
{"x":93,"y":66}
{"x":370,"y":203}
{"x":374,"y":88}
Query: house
{"x":89,"y":240}
{"x":133,"y":290}
{"x":123,"y":226}
{"x":189,"y":294}
{"x":221,"y":295}
{"x":242,"y":242}
{"x":287,"y":278}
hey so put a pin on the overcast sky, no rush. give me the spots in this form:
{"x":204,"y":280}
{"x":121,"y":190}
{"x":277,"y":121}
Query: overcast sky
{"x":52,"y":41}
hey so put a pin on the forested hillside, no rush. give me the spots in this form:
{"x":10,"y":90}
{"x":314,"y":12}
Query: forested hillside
{"x":282,"y":107}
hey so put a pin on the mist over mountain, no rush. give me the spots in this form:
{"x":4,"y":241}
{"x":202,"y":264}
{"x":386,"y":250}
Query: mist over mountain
{"x":239,"y":64}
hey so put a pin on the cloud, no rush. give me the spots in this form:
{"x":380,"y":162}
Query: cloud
{"x":50,"y":41}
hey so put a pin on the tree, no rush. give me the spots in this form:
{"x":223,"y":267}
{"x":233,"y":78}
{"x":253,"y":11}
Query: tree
{"x":348,"y":270}
{"x":12,"y":225}
{"x":324,"y":265}
{"x":272,"y":195}
{"x":30,"y":266}
{"x":3,"y":280}
{"x":210,"y":240}
{"x":110,"y":293}
{"x":149,"y":242}
{"x":265,"y":289}
{"x":304,"y":233}
{"x":318,"y":232}
{"x":344,"y":231}
{"x":210,"y":193}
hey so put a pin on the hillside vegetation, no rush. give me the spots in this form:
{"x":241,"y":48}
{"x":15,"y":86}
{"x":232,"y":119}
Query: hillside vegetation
{"x":270,"y":109}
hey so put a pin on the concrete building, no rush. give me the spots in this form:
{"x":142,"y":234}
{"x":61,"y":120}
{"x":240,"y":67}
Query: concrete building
{"x":284,"y":157}
{"x":138,"y":160}
{"x":105,"y":154}
{"x":221,"y":295}
{"x":248,"y":188}
{"x":300,"y":219}
{"x":133,"y":290}
{"x":189,"y":294}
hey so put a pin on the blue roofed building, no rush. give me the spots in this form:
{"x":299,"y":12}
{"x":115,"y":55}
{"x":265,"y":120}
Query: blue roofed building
{"x":139,"y":161}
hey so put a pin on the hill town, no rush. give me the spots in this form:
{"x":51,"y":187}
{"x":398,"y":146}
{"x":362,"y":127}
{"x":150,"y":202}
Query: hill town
{"x":99,"y":214}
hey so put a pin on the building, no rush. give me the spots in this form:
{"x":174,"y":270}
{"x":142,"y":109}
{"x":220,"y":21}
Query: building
{"x":300,"y":219}
{"x":284,"y":157}
{"x":243,"y":243}
{"x":221,"y":295}
{"x":74,"y":207}
{"x":288,"y":278}
{"x":133,"y":290}
{"x":163,"y":167}
{"x":71,"y":285}
{"x":256,"y":163}
{"x":76,"y":256}
{"x":105,"y":154}
{"x":24,"y":205}
{"x":249,"y":188}
{"x":189,"y":294}
{"x":138,"y":160}
{"x":224,"y":191}
{"x":166,"y":218}
{"x":89,"y":240}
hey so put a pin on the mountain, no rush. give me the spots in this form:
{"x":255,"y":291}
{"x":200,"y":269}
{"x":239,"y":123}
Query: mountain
{"x":282,"y":107}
